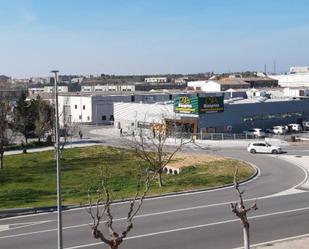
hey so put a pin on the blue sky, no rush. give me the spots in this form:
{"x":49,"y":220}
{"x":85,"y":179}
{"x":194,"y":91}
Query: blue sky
{"x":151,"y":36}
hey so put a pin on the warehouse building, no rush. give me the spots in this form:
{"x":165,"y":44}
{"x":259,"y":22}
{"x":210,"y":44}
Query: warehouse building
{"x":97,"y":108}
{"x":212,"y":114}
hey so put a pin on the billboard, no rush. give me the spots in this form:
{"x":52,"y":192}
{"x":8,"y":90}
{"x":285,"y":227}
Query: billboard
{"x":198,"y":105}
{"x":186,"y":104}
{"x":211,"y":104}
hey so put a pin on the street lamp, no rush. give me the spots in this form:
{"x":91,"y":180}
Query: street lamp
{"x":59,"y":205}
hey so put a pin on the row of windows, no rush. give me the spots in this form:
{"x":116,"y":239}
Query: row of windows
{"x":84,"y":107}
{"x":273,"y":116}
{"x":104,"y":117}
{"x":111,"y":118}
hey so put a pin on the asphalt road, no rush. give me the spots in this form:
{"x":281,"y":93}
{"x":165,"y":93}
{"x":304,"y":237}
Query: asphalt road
{"x":197,"y":220}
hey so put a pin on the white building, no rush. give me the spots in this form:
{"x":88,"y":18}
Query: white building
{"x":86,"y":109}
{"x":61,"y":89}
{"x":130,"y":116}
{"x":35,"y":90}
{"x":292,"y":80}
{"x":156,"y":80}
{"x":296,"y":92}
{"x":46,"y":89}
{"x":108,"y":88}
{"x":299,"y":69}
{"x":196,"y":85}
{"x":217,"y":86}
{"x":77,"y":80}
{"x":97,"y":108}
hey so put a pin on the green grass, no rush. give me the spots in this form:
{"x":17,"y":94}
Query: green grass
{"x":29,"y":180}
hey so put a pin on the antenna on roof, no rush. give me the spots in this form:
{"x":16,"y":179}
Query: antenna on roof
{"x":265,"y":69}
{"x":275,"y":66}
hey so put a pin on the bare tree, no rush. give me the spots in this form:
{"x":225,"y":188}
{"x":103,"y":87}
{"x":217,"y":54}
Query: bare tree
{"x":6,"y":133}
{"x":240,"y":210}
{"x":44,"y":122}
{"x":100,"y":212}
{"x":152,"y":149}
{"x":68,"y":130}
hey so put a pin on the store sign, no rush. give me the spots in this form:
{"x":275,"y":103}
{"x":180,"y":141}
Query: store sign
{"x":185,"y":104}
{"x":198,"y":105}
{"x":211,"y":104}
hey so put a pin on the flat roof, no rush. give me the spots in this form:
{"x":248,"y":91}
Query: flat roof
{"x":231,"y":82}
{"x":261,"y":100}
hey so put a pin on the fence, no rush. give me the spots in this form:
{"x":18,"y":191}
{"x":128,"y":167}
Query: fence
{"x":211,"y":136}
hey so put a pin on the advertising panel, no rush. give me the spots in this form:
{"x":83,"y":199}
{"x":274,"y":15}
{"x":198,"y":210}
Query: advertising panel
{"x":186,"y":104}
{"x":198,"y":105}
{"x":211,"y":104}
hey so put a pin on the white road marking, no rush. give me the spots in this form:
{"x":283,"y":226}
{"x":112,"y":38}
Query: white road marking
{"x":27,"y":224}
{"x":4,"y":228}
{"x":194,"y":227}
{"x":15,"y":226}
{"x":167,"y":231}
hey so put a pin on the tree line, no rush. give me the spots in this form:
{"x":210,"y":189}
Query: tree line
{"x":34,"y":118}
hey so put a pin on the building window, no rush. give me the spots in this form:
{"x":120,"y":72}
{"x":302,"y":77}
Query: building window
{"x":103,"y":117}
{"x":75,"y":106}
{"x":170,"y":97}
{"x":80,"y":117}
{"x":132,"y":98}
{"x":111,"y":118}
{"x":88,"y":118}
{"x":84,"y":107}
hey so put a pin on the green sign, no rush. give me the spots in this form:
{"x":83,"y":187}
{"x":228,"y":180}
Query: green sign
{"x":198,"y":105}
{"x":185,"y":104}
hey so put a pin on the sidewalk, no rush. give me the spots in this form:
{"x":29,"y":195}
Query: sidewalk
{"x":299,"y":242}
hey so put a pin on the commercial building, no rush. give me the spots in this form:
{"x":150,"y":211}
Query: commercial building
{"x":108,"y":88}
{"x":218,"y":85}
{"x":212,"y":114}
{"x":232,"y":83}
{"x":156,"y":80}
{"x":292,"y":80}
{"x":97,"y":108}
{"x":304,"y":69}
{"x":47,"y":89}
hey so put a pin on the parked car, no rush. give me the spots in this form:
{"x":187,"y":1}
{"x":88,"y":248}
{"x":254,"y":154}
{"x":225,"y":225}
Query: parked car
{"x":263,"y":147}
{"x":255,"y":132}
{"x":295,"y":127}
{"x":31,"y":134}
{"x":279,"y":130}
{"x":306,"y":125}
{"x":269,"y":131}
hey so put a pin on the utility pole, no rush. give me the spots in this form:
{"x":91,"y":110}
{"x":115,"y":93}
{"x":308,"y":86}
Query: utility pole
{"x":59,"y":204}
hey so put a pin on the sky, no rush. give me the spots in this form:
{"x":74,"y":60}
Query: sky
{"x":151,"y":36}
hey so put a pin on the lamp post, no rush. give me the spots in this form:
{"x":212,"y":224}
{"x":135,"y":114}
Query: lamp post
{"x":59,"y":205}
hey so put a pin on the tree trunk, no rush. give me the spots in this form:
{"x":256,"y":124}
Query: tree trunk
{"x":24,"y":145}
{"x":160,"y":178}
{"x":1,"y":160}
{"x":246,"y":237}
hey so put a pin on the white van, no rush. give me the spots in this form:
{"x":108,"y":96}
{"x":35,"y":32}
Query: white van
{"x":306,"y":125}
{"x":279,"y":130}
{"x":295,"y":127}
